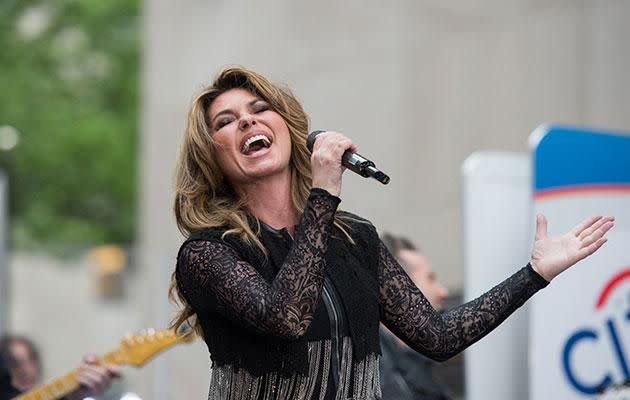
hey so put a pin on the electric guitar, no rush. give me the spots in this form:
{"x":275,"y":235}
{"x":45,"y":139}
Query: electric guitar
{"x":134,"y":350}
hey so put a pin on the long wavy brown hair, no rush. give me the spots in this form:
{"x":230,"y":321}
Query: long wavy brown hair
{"x":203,"y":196}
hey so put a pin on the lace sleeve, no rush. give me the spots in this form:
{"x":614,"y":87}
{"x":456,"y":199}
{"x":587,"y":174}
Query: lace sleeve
{"x":213,"y":278}
{"x":408,"y":314}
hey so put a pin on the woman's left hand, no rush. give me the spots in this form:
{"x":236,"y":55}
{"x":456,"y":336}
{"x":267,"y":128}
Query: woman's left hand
{"x":552,"y":255}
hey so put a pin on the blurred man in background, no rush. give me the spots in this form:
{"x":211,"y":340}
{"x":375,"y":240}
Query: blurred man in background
{"x":20,"y":366}
{"x":406,"y":374}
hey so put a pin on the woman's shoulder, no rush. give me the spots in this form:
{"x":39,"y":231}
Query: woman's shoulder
{"x":209,"y":234}
{"x":213,"y":236}
{"x":222,"y":239}
{"x":354,"y":219}
{"x":357,"y":225}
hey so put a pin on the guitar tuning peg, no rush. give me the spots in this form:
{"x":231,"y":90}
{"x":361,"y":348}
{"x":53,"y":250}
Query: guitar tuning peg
{"x":127,"y":339}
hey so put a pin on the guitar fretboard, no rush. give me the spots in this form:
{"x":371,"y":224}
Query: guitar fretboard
{"x":63,"y":385}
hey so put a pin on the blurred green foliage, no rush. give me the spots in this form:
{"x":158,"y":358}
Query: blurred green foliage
{"x":69,"y":84}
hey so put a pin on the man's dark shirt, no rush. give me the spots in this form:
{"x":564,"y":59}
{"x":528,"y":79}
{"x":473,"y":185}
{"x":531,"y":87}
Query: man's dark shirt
{"x":7,"y":391}
{"x":406,"y":374}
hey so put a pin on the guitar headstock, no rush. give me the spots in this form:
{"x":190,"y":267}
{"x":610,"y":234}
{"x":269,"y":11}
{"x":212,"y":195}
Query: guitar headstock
{"x":138,"y":349}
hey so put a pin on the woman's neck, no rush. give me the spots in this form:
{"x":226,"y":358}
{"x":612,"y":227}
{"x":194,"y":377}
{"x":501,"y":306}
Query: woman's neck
{"x":270,"y":201}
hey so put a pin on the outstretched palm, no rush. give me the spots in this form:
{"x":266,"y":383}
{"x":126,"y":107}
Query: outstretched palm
{"x":552,"y":255}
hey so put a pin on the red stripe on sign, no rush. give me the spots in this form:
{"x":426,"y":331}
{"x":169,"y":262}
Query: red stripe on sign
{"x":581,"y":189}
{"x":611,"y":285}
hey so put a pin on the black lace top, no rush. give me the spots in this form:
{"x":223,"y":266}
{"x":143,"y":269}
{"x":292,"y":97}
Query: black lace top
{"x":280,"y":298}
{"x":214,"y":277}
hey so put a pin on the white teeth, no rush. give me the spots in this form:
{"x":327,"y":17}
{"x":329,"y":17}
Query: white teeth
{"x":252,"y":139}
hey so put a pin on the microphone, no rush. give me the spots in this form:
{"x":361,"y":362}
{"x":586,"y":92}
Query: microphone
{"x":353,"y":161}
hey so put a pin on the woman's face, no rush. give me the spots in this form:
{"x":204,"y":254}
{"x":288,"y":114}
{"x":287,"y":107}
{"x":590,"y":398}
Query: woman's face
{"x":252,"y":141}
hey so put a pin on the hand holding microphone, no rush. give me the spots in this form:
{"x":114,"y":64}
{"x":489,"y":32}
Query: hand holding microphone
{"x":353,"y":161}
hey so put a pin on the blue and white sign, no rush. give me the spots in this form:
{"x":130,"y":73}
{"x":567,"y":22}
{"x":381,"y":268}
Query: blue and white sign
{"x":580,"y":324}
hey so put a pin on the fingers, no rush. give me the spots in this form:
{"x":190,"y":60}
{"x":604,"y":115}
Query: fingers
{"x":598,"y":233}
{"x":541,"y":226}
{"x":326,"y":161}
{"x":90,"y":358}
{"x":332,"y":145}
{"x":592,"y":248}
{"x":114,"y":370}
{"x":96,"y":377}
{"x":592,"y":235}
{"x":595,"y":226}
{"x":585,"y":225}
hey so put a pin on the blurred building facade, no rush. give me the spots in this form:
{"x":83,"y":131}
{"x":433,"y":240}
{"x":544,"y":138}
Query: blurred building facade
{"x":418,"y":85}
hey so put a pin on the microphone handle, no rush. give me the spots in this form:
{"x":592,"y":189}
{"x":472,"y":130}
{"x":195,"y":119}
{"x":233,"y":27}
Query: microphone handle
{"x":357,"y":163}
{"x":362,"y":166}
{"x":353,"y":161}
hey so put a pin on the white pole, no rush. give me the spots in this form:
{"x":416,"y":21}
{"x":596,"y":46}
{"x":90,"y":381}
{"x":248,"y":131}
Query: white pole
{"x":497,"y":211}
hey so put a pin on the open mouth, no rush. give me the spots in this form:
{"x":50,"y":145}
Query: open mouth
{"x":254,"y":144}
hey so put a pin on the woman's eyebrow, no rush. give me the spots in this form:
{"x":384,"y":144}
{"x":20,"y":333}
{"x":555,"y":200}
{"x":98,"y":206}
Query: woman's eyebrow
{"x":229,"y":111}
{"x":226,"y":111}
{"x":251,"y":103}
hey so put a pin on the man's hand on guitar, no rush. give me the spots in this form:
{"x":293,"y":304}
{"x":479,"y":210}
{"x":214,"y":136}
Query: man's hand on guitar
{"x":95,"y":375}
{"x":95,"y":378}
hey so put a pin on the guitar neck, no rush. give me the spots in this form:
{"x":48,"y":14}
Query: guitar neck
{"x":63,"y":385}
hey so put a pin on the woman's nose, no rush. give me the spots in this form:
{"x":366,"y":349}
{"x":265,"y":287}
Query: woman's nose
{"x":246,"y":121}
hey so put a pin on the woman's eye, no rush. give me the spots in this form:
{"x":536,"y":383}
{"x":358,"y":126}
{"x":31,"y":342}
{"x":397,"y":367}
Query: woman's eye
{"x":222,"y":122}
{"x":260,"y":107}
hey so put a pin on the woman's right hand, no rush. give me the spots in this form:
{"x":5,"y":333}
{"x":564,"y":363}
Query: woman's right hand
{"x":326,"y":160}
{"x":552,"y":255}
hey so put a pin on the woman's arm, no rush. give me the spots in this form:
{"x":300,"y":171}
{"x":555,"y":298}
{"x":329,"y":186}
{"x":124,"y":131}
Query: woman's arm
{"x":407,"y":313}
{"x":213,"y":278}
